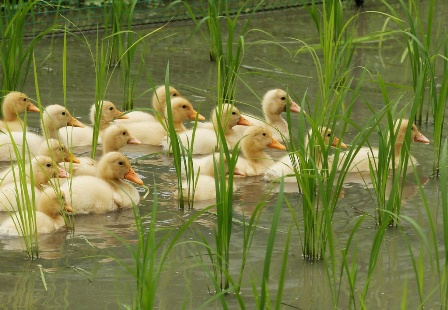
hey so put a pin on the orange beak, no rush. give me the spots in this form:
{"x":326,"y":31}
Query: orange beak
{"x":62,"y":173}
{"x":237,"y":172}
{"x":68,"y":207}
{"x":294,"y":107}
{"x":421,"y":138}
{"x":71,"y":158}
{"x":33,"y":108}
{"x":276,"y":145}
{"x":75,"y":123}
{"x":243,"y":121}
{"x":121,"y":115}
{"x":336,"y":142}
{"x":133,"y":177}
{"x":134,"y":141}
{"x":193,"y":116}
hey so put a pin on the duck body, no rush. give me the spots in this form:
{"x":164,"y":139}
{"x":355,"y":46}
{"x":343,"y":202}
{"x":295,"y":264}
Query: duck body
{"x":107,"y":191}
{"x":48,"y":215}
{"x":32,"y":142}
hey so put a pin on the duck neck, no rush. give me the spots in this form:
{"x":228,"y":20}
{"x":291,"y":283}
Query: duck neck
{"x":9,"y":114}
{"x":109,"y":147}
{"x":254,"y":155}
{"x":277,"y":121}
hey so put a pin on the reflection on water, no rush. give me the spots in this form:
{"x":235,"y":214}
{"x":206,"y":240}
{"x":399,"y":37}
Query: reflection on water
{"x":84,"y":260}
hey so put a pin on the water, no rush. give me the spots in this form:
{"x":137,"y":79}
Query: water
{"x":84,"y":269}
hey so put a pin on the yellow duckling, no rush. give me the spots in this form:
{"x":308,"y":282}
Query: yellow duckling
{"x":38,"y":173}
{"x":158,"y":103}
{"x":274,"y":103}
{"x":15,"y":103}
{"x":107,"y":191}
{"x":255,"y":141}
{"x":48,"y":215}
{"x":153,"y":133}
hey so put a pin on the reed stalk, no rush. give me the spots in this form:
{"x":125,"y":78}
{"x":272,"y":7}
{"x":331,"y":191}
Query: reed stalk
{"x":16,"y":60}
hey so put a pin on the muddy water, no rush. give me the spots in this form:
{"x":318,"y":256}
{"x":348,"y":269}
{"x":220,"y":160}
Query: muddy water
{"x":84,"y":269}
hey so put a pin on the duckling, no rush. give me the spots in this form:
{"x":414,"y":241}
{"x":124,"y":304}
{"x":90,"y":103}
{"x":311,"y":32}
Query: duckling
{"x":274,"y":103}
{"x":365,"y":155}
{"x":154,"y":133}
{"x":81,"y":136}
{"x":53,"y":118}
{"x":205,"y":141}
{"x":255,"y":161}
{"x":285,"y":166}
{"x":107,"y":191}
{"x":57,"y":151}
{"x":158,"y":103}
{"x":48,"y":215}
{"x":115,"y":137}
{"x":15,"y":103}
{"x":50,"y":148}
{"x":38,"y":173}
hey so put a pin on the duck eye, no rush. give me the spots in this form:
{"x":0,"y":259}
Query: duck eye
{"x":63,"y":113}
{"x":111,"y":108}
{"x":174,"y":94}
{"x":24,"y":99}
{"x":264,"y":134}
{"x":328,"y":134}
{"x":120,"y":163}
{"x":124,"y":133}
{"x":283,"y":98}
{"x":48,"y":165}
{"x":233,"y":113}
{"x":184,"y":106}
{"x":61,"y":149}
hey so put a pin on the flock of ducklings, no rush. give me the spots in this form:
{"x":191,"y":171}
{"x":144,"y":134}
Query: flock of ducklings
{"x":99,"y":186}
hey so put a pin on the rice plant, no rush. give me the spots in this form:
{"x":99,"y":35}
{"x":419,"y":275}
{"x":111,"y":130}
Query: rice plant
{"x":119,"y":29}
{"x":16,"y":60}
{"x":227,"y":57}
{"x":426,"y":54}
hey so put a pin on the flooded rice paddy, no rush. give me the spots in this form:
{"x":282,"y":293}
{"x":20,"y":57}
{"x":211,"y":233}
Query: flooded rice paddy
{"x":85,"y":268}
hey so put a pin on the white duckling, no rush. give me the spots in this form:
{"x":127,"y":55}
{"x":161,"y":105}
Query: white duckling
{"x":48,"y":215}
{"x":158,"y":103}
{"x":53,"y":118}
{"x":255,"y":161}
{"x":365,"y":155}
{"x":115,"y":137}
{"x":15,"y":103}
{"x":37,"y":173}
{"x":81,"y":136}
{"x":153,"y":133}
{"x":107,"y":191}
{"x":285,"y":166}
{"x":274,"y":103}
{"x":205,"y":136}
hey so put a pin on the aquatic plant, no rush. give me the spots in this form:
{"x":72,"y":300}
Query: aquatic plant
{"x":425,"y":54}
{"x":17,"y":53}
